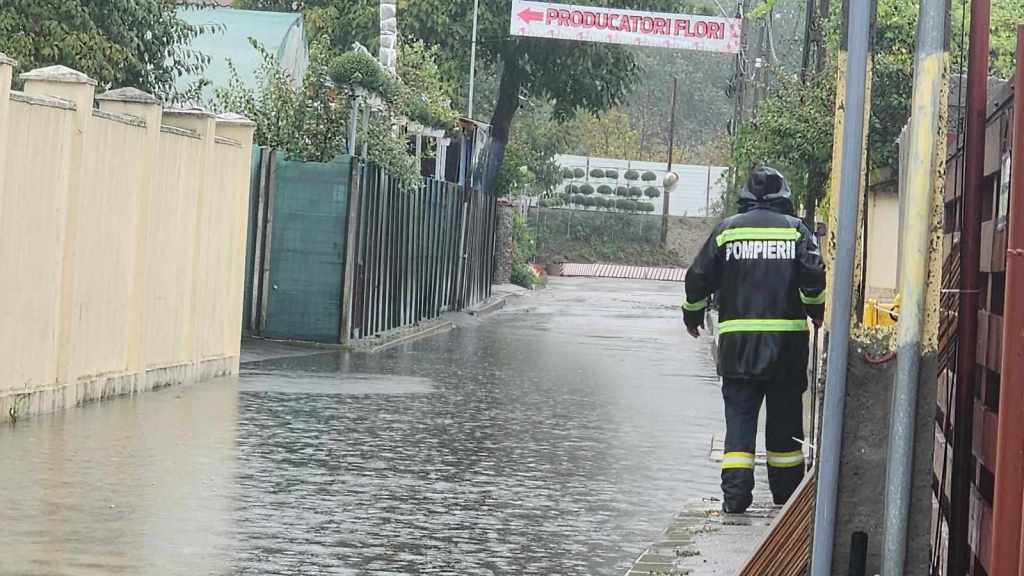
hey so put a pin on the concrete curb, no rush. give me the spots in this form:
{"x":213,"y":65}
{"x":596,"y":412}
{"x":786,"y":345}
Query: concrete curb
{"x":415,"y":333}
{"x":489,"y":307}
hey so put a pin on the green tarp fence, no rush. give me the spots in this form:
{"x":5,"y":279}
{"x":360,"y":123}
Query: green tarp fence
{"x":296,"y":262}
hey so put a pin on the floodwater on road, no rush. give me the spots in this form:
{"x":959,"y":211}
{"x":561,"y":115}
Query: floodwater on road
{"x":556,"y":437}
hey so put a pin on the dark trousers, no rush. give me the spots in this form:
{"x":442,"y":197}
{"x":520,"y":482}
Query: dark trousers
{"x":784,"y":422}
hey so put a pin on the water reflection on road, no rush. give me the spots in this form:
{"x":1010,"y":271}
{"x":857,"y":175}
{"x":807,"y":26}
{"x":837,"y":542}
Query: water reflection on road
{"x":555,"y":438}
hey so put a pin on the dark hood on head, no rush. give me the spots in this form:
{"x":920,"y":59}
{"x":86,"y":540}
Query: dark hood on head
{"x":766,"y":188}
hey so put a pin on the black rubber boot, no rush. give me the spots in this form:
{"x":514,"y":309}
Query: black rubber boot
{"x":737,"y":505}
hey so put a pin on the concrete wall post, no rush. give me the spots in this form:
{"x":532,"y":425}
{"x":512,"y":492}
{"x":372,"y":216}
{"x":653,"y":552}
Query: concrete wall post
{"x":6,"y":72}
{"x":204,"y":125}
{"x":504,"y":244}
{"x":147,"y":107}
{"x":242,"y":130}
{"x":79,"y":89}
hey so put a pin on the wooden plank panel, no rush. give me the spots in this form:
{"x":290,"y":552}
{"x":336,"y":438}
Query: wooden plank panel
{"x":786,"y":549}
{"x":994,"y":357}
{"x":986,"y":426}
{"x":987,"y":231}
{"x":998,"y":251}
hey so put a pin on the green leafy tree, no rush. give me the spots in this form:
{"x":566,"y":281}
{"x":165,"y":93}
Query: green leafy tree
{"x":341,"y":22}
{"x":533,"y":145}
{"x":139,"y":43}
{"x":793,"y":127}
{"x":603,"y":74}
{"x":307,"y":123}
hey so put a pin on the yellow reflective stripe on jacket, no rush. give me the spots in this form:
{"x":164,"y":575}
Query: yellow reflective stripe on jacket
{"x":695,"y":306}
{"x":735,"y":234}
{"x":810,"y":300}
{"x":785,"y":459}
{"x":757,"y":325}
{"x":734,"y":460}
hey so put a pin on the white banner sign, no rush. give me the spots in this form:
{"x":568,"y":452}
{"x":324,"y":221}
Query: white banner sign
{"x":630,"y":27}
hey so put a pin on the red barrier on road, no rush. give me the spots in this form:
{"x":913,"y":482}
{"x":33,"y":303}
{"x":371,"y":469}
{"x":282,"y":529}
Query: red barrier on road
{"x":625,"y":272}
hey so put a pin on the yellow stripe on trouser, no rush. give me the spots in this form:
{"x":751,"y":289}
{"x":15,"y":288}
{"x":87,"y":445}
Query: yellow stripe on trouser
{"x":785,"y":459}
{"x":733,"y":460}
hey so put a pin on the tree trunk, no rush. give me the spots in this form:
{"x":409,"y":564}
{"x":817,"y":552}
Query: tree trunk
{"x":501,"y":123}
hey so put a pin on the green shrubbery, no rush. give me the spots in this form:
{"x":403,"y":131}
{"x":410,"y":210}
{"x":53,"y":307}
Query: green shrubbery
{"x":524,"y":250}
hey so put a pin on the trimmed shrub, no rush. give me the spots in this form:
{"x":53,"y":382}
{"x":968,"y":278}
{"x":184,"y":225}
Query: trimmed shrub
{"x":645,"y":206}
{"x":622,"y":191}
{"x":572,"y":189}
{"x":588,"y":201}
{"x":649,"y":176}
{"x":597,"y":173}
{"x":613,"y":174}
{"x":586,"y":189}
{"x":635,"y":192}
{"x":601,"y":202}
{"x":567,"y":173}
{"x":632,"y":175}
{"x":622,"y":203}
{"x":579,"y":173}
{"x":605,"y":189}
{"x":652,"y":192}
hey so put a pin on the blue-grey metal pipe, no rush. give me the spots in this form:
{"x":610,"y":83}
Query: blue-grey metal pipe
{"x":929,"y":70}
{"x":842,"y":288}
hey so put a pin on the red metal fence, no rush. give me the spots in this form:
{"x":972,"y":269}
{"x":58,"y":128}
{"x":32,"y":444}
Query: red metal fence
{"x":963,"y":542}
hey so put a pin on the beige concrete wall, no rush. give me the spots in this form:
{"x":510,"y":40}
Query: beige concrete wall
{"x":882,"y":245}
{"x":122,"y":234}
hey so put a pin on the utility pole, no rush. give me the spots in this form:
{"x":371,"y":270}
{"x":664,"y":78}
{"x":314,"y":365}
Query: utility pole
{"x":671,"y":146}
{"x":858,"y":40}
{"x":472,"y":59}
{"x":930,"y":61}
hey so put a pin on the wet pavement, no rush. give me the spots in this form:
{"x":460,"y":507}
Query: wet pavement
{"x":559,"y":436}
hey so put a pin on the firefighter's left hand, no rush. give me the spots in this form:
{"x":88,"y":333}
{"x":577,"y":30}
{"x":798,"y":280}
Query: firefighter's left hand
{"x":695,"y":330}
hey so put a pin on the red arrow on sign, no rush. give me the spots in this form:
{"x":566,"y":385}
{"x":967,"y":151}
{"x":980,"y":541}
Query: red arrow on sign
{"x":529,"y":15}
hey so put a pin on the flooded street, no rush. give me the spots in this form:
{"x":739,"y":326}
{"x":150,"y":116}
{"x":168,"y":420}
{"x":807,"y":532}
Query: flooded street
{"x":556,"y":437}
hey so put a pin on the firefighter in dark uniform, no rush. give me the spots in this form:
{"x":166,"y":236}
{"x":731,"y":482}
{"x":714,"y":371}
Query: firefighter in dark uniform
{"x":768,"y":275}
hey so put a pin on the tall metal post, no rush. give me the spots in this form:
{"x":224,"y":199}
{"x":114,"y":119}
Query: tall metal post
{"x":970,"y":264}
{"x":842,"y":290}
{"x":1006,"y":513}
{"x":929,"y":70}
{"x":472,"y":59}
{"x":671,"y":150}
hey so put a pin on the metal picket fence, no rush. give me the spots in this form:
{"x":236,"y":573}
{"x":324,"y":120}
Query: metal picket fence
{"x":417,"y":253}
